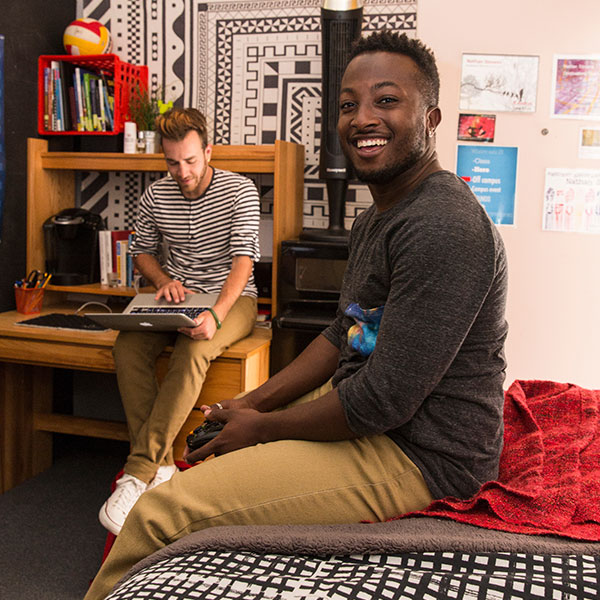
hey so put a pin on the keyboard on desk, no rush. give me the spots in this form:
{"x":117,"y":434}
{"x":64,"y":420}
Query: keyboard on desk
{"x":189,"y":311}
{"x":63,"y":321}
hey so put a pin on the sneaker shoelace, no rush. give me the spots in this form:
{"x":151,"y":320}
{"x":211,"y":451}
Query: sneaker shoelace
{"x":128,"y":492}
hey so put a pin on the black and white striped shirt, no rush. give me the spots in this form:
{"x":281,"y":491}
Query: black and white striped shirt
{"x":201,"y":235}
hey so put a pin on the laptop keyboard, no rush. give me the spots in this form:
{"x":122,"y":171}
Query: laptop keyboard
{"x":190,"y":311}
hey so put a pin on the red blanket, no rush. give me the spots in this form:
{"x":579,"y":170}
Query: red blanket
{"x":549,"y":478}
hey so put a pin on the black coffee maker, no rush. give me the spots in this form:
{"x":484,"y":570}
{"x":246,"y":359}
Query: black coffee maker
{"x":71,"y":241}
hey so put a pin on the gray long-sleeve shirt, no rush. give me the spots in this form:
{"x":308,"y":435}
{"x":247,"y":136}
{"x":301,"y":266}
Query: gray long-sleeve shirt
{"x":433,"y":382}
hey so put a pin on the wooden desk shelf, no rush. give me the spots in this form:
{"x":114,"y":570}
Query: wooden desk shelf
{"x":51,"y":188}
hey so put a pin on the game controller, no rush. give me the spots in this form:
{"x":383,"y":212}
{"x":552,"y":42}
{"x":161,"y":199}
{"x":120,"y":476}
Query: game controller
{"x":203,"y":434}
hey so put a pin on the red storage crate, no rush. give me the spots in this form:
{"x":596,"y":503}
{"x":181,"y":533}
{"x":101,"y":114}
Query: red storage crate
{"x":125,"y":77}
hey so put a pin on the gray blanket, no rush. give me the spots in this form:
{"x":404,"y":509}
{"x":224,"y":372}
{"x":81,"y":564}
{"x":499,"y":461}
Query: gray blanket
{"x":418,"y":534}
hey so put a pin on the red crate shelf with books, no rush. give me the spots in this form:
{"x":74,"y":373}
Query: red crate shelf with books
{"x":74,"y":93}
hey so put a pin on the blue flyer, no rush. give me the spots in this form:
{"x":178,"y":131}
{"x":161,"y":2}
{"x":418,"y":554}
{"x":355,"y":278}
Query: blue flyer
{"x":491,"y":173}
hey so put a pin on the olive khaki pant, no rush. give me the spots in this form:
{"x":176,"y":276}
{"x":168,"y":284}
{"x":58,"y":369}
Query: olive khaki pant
{"x":284,"y":482}
{"x":155,"y":414}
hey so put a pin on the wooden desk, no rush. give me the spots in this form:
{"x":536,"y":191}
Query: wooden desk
{"x":28,"y":356}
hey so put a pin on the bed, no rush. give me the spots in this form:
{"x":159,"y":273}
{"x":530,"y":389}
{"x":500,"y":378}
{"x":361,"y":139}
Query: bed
{"x":533,"y":533}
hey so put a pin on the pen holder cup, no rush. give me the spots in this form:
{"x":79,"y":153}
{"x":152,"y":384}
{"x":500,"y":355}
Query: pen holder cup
{"x":29,"y":300}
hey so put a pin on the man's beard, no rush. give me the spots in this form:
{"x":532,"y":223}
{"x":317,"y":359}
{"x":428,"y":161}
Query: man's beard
{"x":389,"y":172}
{"x":198,"y":182}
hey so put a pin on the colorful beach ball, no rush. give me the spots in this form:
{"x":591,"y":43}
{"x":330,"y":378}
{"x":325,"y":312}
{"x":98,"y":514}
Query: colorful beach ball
{"x":87,"y":36}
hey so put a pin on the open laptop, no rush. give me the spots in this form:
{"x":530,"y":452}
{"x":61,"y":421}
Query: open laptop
{"x":144,"y":313}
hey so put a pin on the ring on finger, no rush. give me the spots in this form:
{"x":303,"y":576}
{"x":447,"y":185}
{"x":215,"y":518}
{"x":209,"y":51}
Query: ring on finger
{"x":219,"y":405}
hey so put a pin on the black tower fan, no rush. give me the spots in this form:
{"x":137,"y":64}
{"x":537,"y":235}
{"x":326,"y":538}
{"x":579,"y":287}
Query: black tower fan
{"x":341,"y":22}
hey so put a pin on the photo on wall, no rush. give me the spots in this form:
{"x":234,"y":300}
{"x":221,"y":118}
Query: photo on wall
{"x":476,"y":128}
{"x":589,"y":142}
{"x":498,"y":82}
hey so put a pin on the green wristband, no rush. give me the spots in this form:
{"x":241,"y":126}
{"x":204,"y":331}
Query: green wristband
{"x":214,"y":314}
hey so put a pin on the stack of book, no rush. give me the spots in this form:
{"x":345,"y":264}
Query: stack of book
{"x":78,"y":99}
{"x":116,"y":262}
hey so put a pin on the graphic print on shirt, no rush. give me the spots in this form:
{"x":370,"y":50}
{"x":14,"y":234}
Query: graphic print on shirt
{"x":363,"y":336}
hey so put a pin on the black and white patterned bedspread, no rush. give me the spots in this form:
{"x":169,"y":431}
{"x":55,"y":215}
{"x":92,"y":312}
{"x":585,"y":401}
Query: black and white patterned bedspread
{"x":229,"y":575}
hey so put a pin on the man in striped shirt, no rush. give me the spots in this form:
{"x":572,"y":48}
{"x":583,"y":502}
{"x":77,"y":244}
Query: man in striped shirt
{"x":208,"y":221}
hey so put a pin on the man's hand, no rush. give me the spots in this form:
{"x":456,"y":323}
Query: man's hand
{"x":172,"y":291}
{"x":205,"y":329}
{"x":167,"y":287}
{"x":242,"y":429}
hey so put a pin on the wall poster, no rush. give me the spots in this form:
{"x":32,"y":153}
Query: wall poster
{"x":498,"y":82}
{"x":576,"y":87}
{"x":491,"y":173}
{"x":572,"y":200}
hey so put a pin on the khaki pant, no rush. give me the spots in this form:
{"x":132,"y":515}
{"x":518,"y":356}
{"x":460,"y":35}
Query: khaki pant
{"x":285,"y":482}
{"x":156,"y":414}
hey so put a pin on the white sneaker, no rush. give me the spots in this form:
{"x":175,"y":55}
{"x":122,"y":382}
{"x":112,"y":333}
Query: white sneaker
{"x":115,"y":510}
{"x":163,"y":474}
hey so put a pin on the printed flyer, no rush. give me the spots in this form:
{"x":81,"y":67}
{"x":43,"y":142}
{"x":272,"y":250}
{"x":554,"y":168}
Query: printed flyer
{"x":572,"y":200}
{"x":491,"y":173}
{"x":576,"y":87}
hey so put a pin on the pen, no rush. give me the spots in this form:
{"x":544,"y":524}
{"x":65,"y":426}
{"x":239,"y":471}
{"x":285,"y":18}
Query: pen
{"x":47,"y":278}
{"x":32,"y":279}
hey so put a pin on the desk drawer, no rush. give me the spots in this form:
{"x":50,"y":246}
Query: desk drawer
{"x":52,"y":354}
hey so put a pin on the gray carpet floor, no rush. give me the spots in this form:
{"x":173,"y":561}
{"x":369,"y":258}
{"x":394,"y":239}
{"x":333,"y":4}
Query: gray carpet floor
{"x":51,"y":542}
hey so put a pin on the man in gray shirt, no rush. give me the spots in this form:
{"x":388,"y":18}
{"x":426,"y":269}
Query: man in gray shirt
{"x":400,"y":400}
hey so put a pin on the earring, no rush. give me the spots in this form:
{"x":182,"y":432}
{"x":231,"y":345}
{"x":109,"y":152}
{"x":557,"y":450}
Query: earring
{"x":431,"y":132}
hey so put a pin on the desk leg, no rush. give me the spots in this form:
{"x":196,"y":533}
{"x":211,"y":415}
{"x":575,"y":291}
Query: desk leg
{"x":24,"y":389}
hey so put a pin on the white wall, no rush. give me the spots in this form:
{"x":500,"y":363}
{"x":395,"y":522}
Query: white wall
{"x":554,"y":286}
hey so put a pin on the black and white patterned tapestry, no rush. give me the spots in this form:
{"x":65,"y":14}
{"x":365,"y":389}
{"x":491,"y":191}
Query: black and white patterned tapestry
{"x":226,"y":575}
{"x":253,"y":68}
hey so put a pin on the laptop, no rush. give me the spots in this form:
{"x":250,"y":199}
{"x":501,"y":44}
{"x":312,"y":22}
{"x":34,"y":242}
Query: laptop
{"x":144,"y":313}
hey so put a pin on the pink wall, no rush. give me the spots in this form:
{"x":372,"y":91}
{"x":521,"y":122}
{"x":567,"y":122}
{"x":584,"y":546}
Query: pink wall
{"x":554,"y":293}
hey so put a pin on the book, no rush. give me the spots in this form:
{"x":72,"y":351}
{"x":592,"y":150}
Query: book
{"x":131,"y":270}
{"x":109,"y":113}
{"x":77,"y":98}
{"x":87,"y":99}
{"x":105,"y":251}
{"x":117,"y":236}
{"x":46,"y":96}
{"x":122,"y":246}
{"x":101,"y":105}
{"x":94,"y":103}
{"x":65,"y":72}
{"x":108,"y":89}
{"x":57,"y":118}
{"x":72,"y":109}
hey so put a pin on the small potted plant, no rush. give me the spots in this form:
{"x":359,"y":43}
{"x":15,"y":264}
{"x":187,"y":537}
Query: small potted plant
{"x":143,"y":110}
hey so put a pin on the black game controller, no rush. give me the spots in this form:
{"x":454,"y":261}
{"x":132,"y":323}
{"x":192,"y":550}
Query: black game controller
{"x":203,"y":434}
